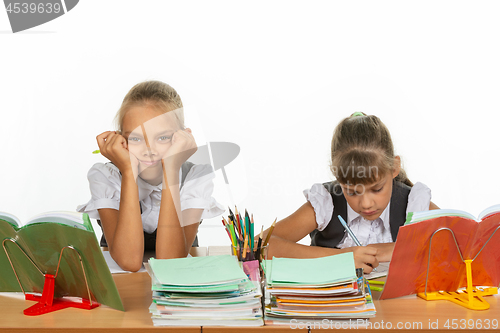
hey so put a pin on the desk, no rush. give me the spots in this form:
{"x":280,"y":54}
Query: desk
{"x":135,"y":291}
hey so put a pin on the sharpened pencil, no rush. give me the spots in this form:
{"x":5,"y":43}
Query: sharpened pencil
{"x":227,"y":230}
{"x":259,"y":244}
{"x":251,"y":230}
{"x":269,"y":233}
{"x":245,"y":247}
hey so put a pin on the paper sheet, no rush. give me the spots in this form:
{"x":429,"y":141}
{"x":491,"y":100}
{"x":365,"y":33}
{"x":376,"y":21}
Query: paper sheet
{"x":383,"y":269}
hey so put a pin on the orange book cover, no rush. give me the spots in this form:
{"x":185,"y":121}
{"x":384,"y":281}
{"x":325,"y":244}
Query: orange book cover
{"x":408,"y":267}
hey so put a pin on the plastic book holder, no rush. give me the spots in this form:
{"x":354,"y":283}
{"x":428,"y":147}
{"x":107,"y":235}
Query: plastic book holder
{"x":470,"y":297}
{"x":47,"y":302}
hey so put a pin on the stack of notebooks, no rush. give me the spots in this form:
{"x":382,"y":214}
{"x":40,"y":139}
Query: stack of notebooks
{"x":317,"y":289}
{"x":205,"y":291}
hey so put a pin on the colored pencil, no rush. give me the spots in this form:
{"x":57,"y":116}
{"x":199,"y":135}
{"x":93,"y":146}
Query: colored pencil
{"x":232,"y":217}
{"x":269,"y":233}
{"x":245,"y":247}
{"x":259,"y":244}
{"x":376,"y":282}
{"x":240,"y":229}
{"x":376,"y":288}
{"x":250,"y":227}
{"x":227,"y":230}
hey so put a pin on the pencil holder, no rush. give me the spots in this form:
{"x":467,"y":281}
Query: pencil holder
{"x":258,"y":255}
{"x":263,"y":261}
{"x":246,"y":253}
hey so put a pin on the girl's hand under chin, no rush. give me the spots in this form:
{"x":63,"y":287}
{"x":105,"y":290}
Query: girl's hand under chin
{"x":183,"y":146}
{"x":114,"y":147}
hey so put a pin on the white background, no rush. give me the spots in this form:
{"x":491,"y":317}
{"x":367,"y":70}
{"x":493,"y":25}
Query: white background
{"x":275,"y":77}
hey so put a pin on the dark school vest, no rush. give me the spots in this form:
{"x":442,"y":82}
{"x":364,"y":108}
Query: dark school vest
{"x":333,"y":234}
{"x":150,"y":238}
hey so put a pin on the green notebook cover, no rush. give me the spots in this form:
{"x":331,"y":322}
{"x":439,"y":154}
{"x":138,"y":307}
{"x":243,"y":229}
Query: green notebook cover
{"x":43,"y":241}
{"x":325,"y":270}
{"x":196,"y":271}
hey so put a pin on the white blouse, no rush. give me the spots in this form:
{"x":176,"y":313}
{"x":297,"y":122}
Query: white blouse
{"x":367,"y":232}
{"x":105,"y":188}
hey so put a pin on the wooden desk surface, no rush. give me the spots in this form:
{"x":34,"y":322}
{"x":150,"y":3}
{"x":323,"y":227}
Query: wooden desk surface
{"x":135,"y":291}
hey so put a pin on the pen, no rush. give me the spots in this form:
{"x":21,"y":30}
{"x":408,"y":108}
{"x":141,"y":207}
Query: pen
{"x":349,"y":231}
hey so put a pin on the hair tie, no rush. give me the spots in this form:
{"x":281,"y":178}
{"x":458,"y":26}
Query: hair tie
{"x":358,"y":114}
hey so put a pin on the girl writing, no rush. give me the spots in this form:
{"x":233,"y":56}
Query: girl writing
{"x":149,"y":197}
{"x":371,"y":193}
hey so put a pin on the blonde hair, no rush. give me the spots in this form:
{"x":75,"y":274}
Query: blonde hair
{"x":156,"y":94}
{"x":362,"y":151}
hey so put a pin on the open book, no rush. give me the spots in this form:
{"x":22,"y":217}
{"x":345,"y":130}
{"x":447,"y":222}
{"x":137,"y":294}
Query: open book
{"x":35,"y":248}
{"x":72,"y":219}
{"x":411,"y":259}
{"x":431,"y":214}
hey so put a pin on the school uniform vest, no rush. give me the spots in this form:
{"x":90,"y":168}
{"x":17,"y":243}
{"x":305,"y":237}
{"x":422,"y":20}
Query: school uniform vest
{"x":150,"y":238}
{"x":334,"y":232}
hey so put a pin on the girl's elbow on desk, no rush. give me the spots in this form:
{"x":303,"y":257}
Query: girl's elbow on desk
{"x":131,"y":266}
{"x":131,"y":263}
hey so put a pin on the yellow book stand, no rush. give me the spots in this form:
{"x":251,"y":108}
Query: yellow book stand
{"x":470,"y":297}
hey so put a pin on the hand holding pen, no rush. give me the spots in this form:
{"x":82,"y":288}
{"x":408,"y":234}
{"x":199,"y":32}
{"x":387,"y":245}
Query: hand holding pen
{"x":363,"y":255}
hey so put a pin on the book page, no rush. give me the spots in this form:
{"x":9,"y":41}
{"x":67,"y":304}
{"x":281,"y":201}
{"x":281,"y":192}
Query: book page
{"x":489,"y":211}
{"x":10,"y":218}
{"x":431,"y":214}
{"x":382,"y":270}
{"x":72,"y":219}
